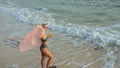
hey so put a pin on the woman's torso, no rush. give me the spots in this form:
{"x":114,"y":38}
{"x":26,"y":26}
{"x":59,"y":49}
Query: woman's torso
{"x":44,"y":42}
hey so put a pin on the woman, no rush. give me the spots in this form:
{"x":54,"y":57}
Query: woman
{"x":43,"y":48}
{"x":33,"y":39}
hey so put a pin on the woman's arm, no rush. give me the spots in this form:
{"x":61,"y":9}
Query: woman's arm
{"x":50,"y":35}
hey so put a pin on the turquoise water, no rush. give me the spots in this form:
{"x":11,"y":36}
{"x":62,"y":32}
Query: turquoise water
{"x":102,"y":12}
{"x":97,"y":22}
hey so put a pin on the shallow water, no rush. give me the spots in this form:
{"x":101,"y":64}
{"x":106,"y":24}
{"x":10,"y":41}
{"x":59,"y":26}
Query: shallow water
{"x":82,"y":29}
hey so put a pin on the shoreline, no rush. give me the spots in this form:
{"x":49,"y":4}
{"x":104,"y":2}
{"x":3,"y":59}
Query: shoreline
{"x":66,"y":54}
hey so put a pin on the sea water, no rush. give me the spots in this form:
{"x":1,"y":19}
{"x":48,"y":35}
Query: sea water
{"x":96,"y":22}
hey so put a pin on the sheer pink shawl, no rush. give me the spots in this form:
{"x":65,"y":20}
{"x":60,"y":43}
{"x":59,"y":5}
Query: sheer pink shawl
{"x":32,"y":39}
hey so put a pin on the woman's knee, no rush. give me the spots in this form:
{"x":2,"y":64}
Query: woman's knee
{"x":43,"y":57}
{"x":51,"y":58}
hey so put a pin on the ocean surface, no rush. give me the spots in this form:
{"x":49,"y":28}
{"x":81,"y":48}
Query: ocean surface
{"x":93,"y":22}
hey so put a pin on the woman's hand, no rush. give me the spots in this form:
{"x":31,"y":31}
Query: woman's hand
{"x":50,"y":35}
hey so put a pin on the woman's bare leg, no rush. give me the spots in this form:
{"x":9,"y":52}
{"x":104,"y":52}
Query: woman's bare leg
{"x":43,"y":61}
{"x":50,"y":60}
{"x":45,"y":52}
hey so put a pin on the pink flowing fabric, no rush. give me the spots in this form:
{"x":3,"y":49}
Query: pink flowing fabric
{"x":32,"y":39}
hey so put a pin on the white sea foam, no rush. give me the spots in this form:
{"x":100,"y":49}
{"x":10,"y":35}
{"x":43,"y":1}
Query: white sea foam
{"x":12,"y":66}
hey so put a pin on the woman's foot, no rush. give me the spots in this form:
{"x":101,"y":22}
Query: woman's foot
{"x":53,"y":66}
